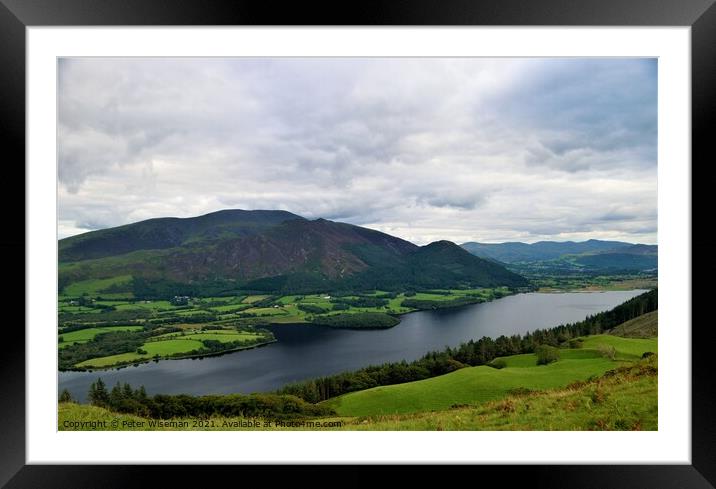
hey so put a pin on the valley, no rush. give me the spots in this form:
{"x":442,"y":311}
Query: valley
{"x":338,"y":320}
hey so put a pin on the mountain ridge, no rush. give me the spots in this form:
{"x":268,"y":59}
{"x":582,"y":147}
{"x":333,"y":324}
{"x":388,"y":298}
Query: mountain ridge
{"x":273,"y":251}
{"x":587,"y":255}
{"x":166,"y":232}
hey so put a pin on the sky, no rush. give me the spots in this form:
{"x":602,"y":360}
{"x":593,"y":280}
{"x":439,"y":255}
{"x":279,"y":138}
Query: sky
{"x":464,"y":149}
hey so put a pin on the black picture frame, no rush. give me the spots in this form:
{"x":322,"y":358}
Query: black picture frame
{"x":700,"y":15}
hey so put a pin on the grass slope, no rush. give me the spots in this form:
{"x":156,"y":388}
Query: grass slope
{"x":623,"y":399}
{"x":530,"y":359}
{"x":476,"y":385}
{"x":626,"y":348}
{"x":471,"y":385}
{"x":97,"y":286}
{"x":644,"y":326}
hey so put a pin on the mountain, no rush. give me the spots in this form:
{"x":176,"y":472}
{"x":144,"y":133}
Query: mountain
{"x":586,"y":255}
{"x":441,"y":264}
{"x":513,"y":252}
{"x":272,"y":251}
{"x":168,"y":232}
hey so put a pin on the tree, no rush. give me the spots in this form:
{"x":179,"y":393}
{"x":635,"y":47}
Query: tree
{"x":116,"y":396}
{"x":546,"y":354}
{"x":607,"y":351}
{"x":98,"y":395}
{"x":65,"y":396}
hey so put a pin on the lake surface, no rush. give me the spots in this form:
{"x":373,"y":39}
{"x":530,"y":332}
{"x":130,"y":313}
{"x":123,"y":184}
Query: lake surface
{"x":307,"y":351}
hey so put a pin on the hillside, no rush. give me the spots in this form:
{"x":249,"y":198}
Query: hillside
{"x":618,"y":260}
{"x":474,"y":385}
{"x":645,"y":326}
{"x":625,"y":398}
{"x":271,"y":251}
{"x":168,"y":232}
{"x":542,"y":250}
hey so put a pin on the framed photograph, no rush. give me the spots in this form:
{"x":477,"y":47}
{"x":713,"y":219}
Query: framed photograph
{"x":411,"y":236}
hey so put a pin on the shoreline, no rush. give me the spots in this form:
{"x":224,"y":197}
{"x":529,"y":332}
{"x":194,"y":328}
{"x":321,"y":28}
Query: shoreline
{"x":586,"y":290}
{"x":399,"y":316}
{"x":183,"y":357}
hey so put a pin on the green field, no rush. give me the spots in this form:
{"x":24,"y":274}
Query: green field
{"x":289,"y":311}
{"x":242,"y":307}
{"x":188,"y":312}
{"x":471,"y":385}
{"x":65,"y":307}
{"x":625,"y":400}
{"x":254,"y":298}
{"x":151,"y":305}
{"x":171,"y":344}
{"x":474,"y":385}
{"x":266,"y":311}
{"x":95,"y":287}
{"x":230,"y":308}
{"x":236,"y":299}
{"x":530,"y":359}
{"x":161,"y":348}
{"x":84,"y":335}
{"x":626,"y":348}
{"x":579,"y":282}
{"x":224,"y":336}
{"x":287,"y":299}
{"x":291,"y":319}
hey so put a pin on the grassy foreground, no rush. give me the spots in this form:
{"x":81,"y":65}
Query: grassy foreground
{"x":475,"y":385}
{"x":622,"y":399}
{"x":480,"y":384}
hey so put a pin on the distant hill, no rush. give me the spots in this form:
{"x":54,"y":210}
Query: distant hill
{"x":271,"y":251}
{"x":590,"y":255}
{"x":512,"y":252}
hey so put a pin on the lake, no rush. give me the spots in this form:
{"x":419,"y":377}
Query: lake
{"x":306,"y":351}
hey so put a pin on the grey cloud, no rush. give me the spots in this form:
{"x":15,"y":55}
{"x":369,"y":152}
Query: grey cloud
{"x":587,"y":106}
{"x":460,"y":149}
{"x":465,"y":202}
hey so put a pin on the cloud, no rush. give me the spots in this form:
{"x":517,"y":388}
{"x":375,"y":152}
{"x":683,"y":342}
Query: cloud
{"x":461,"y":149}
